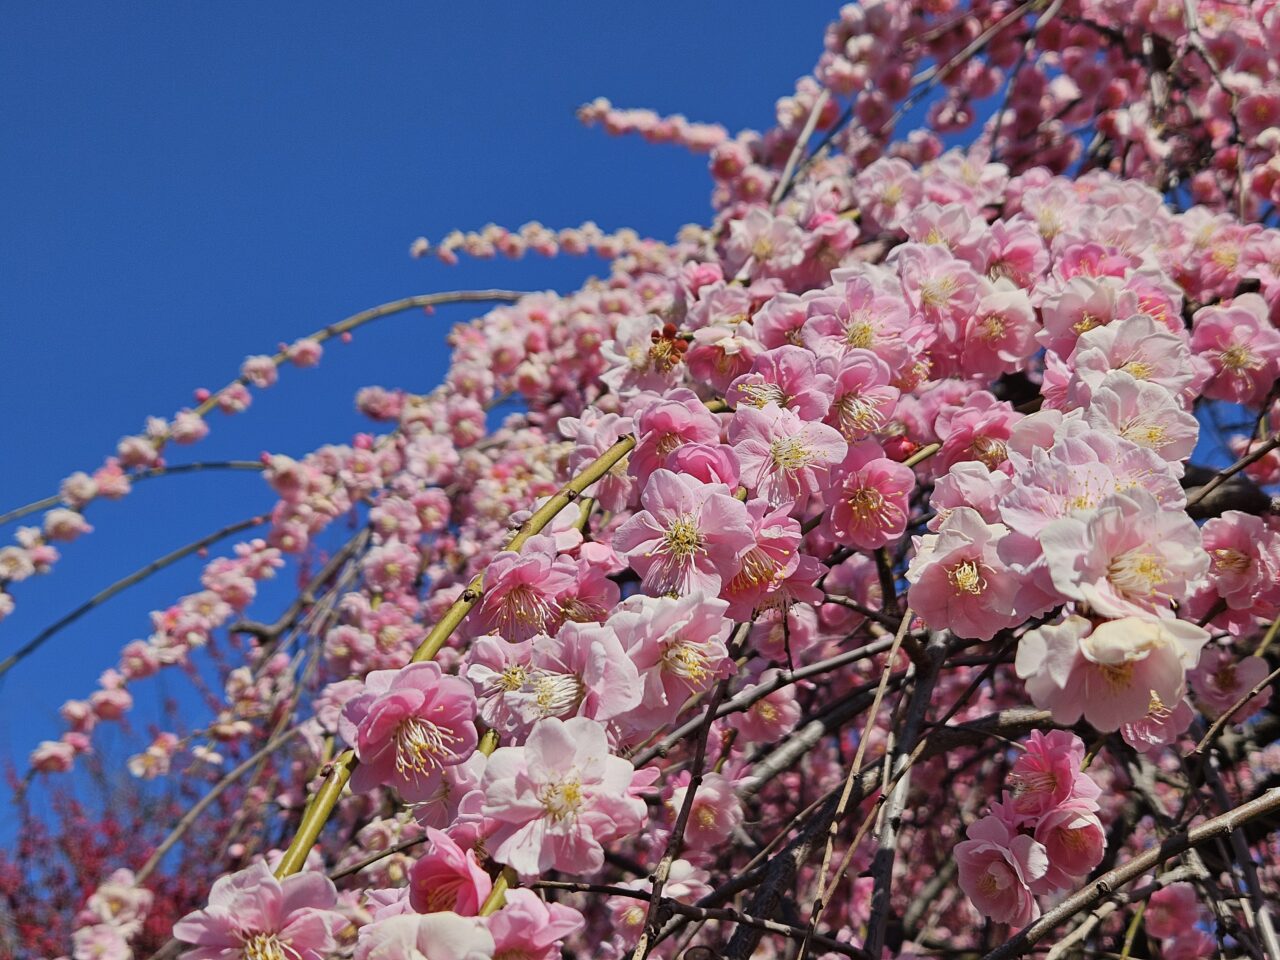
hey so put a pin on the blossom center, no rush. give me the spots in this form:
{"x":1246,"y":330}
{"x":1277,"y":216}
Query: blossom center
{"x":686,"y":660}
{"x":762,"y":394}
{"x":421,"y":746}
{"x":990,"y":451}
{"x":562,"y":799}
{"x":967,"y":576}
{"x":267,"y":946}
{"x":859,"y":333}
{"x":1230,"y":560}
{"x":683,"y":540}
{"x":858,"y":414}
{"x":865,"y":503}
{"x":1138,"y":369}
{"x":1239,"y":357}
{"x":1135,"y":573}
{"x":790,"y":454}
{"x":557,"y":693}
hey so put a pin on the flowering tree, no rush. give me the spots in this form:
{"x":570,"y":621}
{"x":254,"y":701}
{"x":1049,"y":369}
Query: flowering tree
{"x":848,"y":584}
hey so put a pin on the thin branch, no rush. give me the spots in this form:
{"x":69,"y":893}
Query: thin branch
{"x":106,"y":594}
{"x":166,"y":471}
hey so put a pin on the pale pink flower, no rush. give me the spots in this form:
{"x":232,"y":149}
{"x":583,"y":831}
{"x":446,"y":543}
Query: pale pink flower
{"x":1127,"y":556}
{"x":1193,"y":944}
{"x":870,"y":500}
{"x":970,"y":483}
{"x":1075,"y":841}
{"x":1220,"y":679}
{"x":260,"y":370}
{"x":529,"y":928}
{"x":784,"y":459}
{"x":715,"y":815}
{"x":1241,"y":345}
{"x":556,"y":799}
{"x":959,"y":583}
{"x":886,"y":191}
{"x":252,"y":915}
{"x":768,"y":243}
{"x":1142,"y":412}
{"x":53,"y":756}
{"x":1138,"y":346}
{"x":864,"y":400}
{"x":678,"y":647}
{"x":1113,"y":674}
{"x":1244,"y":559}
{"x":407,"y":725}
{"x":859,"y":316}
{"x":1172,"y":910}
{"x":101,"y":941}
{"x":999,"y":335}
{"x":788,"y":377}
{"x":431,"y":936}
{"x":1160,"y":728}
{"x":720,"y":354}
{"x":997,"y":869}
{"x":688,"y":537}
{"x":1083,"y":304}
{"x":447,"y":878}
{"x":520,"y":591}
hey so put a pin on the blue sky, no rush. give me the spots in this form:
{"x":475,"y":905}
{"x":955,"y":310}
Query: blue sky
{"x":183,"y":184}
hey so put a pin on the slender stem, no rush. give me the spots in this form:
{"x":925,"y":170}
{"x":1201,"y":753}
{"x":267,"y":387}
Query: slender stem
{"x":106,"y":594}
{"x":810,"y":124}
{"x":1212,"y":733}
{"x":199,"y":807}
{"x":166,"y":471}
{"x":1224,"y":475}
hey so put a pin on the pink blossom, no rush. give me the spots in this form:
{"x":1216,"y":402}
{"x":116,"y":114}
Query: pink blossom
{"x":1049,"y":774}
{"x":1160,"y":728}
{"x":977,"y":430}
{"x":432,"y":936}
{"x":558,"y":798}
{"x":521,"y":589}
{"x":958,"y":581}
{"x":1242,"y":346}
{"x":251,"y":914}
{"x":1145,"y":413}
{"x":863,"y":399}
{"x":997,"y":869}
{"x":774,"y":556}
{"x":260,"y":370}
{"x":1172,"y":910}
{"x":1112,"y":674}
{"x":1220,"y":679}
{"x":1127,"y":556}
{"x":870,"y":502}
{"x":678,"y":647}
{"x":529,"y":928}
{"x":689,"y":537}
{"x":715,"y":815}
{"x":1139,"y":346}
{"x":788,"y":377}
{"x":1244,"y":559}
{"x":1075,"y":841}
{"x":710,"y":463}
{"x":1083,"y":304}
{"x":667,"y":425}
{"x":447,"y":878}
{"x":859,"y":315}
{"x":407,"y":725}
{"x":784,"y":459}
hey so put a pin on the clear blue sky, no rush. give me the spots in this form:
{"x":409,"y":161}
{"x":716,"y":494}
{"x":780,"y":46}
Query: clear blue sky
{"x":183,"y":184}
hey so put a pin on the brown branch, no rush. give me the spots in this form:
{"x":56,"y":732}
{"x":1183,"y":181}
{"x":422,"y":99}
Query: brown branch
{"x":102,"y":596}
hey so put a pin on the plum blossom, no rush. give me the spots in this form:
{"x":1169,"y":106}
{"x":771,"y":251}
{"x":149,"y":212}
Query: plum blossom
{"x":253,"y":916}
{"x":784,"y":459}
{"x":407,"y":725}
{"x":447,"y":878}
{"x":1112,"y":674}
{"x":689,"y":537}
{"x":997,"y":868}
{"x":959,"y":583}
{"x":870,"y":502}
{"x":432,"y":936}
{"x":1127,"y":556}
{"x":556,"y":799}
{"x":529,"y":928}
